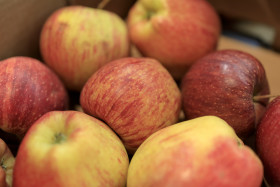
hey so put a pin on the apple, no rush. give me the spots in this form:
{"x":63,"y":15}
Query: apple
{"x":176,"y":33}
{"x":134,"y":96}
{"x":267,"y":142}
{"x":76,"y":40}
{"x":7,"y":165}
{"x":70,"y":148}
{"x":226,"y":83}
{"x":200,"y":152}
{"x":28,"y":90}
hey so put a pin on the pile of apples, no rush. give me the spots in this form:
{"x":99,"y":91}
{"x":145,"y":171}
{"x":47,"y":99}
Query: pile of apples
{"x":158,"y":104}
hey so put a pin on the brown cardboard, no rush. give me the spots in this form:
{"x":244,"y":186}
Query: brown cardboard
{"x":21,"y":23}
{"x":262,"y":11}
{"x":269,"y":59}
{"x":120,"y":7}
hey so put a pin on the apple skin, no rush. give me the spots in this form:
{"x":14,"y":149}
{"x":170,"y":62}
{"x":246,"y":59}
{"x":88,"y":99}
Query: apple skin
{"x":77,"y":40}
{"x":223,"y":84}
{"x":7,"y":165}
{"x":28,"y":90}
{"x":196,"y":152}
{"x":70,"y":148}
{"x":134,"y":96}
{"x":267,"y":142}
{"x":176,"y":33}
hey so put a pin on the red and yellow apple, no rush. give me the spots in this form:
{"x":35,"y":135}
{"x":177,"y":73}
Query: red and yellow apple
{"x":29,"y":89}
{"x":201,"y":152}
{"x":175,"y":32}
{"x":268,"y":142}
{"x":225,"y":83}
{"x":134,"y":96}
{"x":77,"y":40}
{"x":70,"y":148}
{"x":6,"y":165}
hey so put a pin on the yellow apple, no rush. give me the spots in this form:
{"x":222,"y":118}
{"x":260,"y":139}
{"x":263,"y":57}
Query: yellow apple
{"x":70,"y":148}
{"x":201,"y":152}
{"x":77,"y":40}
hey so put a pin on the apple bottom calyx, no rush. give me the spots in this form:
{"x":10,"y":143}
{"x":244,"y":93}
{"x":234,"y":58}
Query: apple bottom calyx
{"x":59,"y":138}
{"x":3,"y":165}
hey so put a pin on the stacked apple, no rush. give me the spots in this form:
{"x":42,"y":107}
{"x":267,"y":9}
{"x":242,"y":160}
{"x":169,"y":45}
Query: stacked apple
{"x":76,"y":41}
{"x":267,"y":142}
{"x":224,"y":83}
{"x":127,"y":131}
{"x":70,"y":148}
{"x":201,"y":152}
{"x":174,"y":32}
{"x":29,"y":89}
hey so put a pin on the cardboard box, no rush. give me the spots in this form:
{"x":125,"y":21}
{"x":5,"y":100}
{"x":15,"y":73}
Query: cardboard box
{"x":120,"y":7}
{"x":21,"y":23}
{"x":262,"y":11}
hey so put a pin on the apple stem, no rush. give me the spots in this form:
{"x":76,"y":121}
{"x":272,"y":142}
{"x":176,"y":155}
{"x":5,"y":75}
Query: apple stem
{"x":259,"y":97}
{"x":102,"y":4}
{"x":265,"y":182}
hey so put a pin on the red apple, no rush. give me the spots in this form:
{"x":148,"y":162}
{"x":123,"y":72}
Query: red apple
{"x":6,"y":165}
{"x":28,"y":90}
{"x":70,"y":148}
{"x":77,"y":40}
{"x":268,"y":142}
{"x":224,"y":84}
{"x":134,"y":96}
{"x":201,"y":152}
{"x":175,"y":32}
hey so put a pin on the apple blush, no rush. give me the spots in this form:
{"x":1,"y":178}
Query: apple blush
{"x":268,"y":142}
{"x":29,"y":89}
{"x":134,"y":96}
{"x":75,"y":41}
{"x":175,"y":32}
{"x":224,"y":84}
